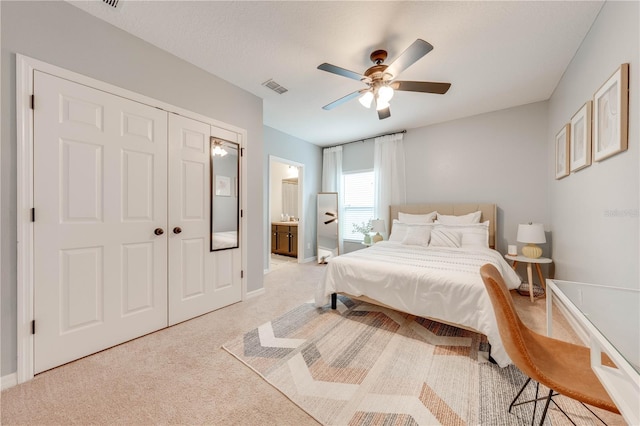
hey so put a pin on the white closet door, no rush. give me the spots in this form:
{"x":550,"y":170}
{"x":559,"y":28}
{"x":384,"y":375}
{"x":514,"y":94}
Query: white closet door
{"x":99,"y":193}
{"x":196,"y":285}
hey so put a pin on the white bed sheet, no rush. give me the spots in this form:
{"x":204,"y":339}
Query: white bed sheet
{"x":439,"y":283}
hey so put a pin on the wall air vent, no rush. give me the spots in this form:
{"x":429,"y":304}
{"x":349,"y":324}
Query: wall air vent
{"x":112,"y":3}
{"x":274,"y":86}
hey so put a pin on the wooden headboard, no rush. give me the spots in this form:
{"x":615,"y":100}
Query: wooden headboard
{"x":488,"y":213}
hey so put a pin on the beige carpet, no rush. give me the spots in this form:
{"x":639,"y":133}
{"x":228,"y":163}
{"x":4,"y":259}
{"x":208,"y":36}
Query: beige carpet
{"x":181,"y":375}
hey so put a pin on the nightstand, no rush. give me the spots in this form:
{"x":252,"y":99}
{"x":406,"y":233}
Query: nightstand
{"x":530,"y":261}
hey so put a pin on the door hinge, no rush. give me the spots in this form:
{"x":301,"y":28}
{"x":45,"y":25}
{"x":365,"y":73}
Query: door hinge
{"x":33,"y":327}
{"x":32,"y":102}
{"x":241,"y":274}
{"x":241,"y":152}
{"x":33,"y":215}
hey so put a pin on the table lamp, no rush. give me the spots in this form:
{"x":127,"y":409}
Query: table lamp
{"x":531,"y":234}
{"x":377,"y":226}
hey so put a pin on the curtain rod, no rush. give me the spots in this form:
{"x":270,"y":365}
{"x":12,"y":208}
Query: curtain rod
{"x":362,"y":140}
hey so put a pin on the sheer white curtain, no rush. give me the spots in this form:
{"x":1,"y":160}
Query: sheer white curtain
{"x":332,"y":179}
{"x":389,"y":176}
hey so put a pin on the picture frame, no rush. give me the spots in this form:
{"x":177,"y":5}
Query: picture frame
{"x":580,"y":136}
{"x":611,"y":115}
{"x":223,"y":186}
{"x":562,"y":151}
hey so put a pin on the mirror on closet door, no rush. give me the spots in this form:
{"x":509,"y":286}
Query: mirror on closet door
{"x":225,"y":205}
{"x":327,"y":227}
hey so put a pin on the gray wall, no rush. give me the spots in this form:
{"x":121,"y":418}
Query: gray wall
{"x":496,"y":157}
{"x":288,"y":147}
{"x":63,"y":35}
{"x":594,"y":212}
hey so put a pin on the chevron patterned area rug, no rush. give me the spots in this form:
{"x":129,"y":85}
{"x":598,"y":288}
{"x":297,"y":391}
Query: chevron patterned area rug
{"x":364,"y":365}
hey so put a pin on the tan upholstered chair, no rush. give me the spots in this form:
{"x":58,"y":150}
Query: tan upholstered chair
{"x":562,"y":367}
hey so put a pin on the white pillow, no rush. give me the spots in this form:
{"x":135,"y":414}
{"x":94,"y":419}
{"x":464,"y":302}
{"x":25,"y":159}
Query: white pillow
{"x":443,"y":237}
{"x":416,"y":218}
{"x":398,"y":231}
{"x":459,"y":220}
{"x":473,"y":235}
{"x":417,"y":235}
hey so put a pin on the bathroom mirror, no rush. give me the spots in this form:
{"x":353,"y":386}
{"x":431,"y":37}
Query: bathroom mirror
{"x":225,"y":192}
{"x":327,"y":227}
{"x":290,"y":197}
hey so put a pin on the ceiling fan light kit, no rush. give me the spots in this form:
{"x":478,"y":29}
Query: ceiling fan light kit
{"x":380,"y":79}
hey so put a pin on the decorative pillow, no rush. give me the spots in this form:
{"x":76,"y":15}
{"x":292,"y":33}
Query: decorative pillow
{"x":443,"y":237}
{"x":473,"y":235}
{"x":416,"y":218}
{"x":398,"y":231}
{"x":417,"y":235}
{"x":459,"y":220}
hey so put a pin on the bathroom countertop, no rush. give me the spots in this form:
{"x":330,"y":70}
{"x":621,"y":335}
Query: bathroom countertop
{"x":285,"y":223}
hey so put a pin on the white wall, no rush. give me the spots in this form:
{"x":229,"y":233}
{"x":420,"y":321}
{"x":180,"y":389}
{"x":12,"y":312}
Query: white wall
{"x":63,"y":35}
{"x":290,"y":148}
{"x":498,"y":157}
{"x":594,"y":212}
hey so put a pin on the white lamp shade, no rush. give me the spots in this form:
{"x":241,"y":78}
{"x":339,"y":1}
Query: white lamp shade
{"x":385,"y":93}
{"x":377,"y":225}
{"x":380,"y":104}
{"x":366,"y":99}
{"x":532,"y":233}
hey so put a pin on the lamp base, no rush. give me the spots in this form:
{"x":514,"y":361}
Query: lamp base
{"x":532,"y":251}
{"x":376,"y":238}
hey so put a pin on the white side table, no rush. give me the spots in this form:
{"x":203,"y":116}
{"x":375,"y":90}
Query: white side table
{"x":530,"y":261}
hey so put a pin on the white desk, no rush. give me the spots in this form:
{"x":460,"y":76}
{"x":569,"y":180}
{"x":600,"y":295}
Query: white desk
{"x":610,"y":318}
{"x":530,"y":261}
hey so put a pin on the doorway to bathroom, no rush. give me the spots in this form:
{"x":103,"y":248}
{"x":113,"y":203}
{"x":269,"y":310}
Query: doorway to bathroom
{"x":286,"y":216}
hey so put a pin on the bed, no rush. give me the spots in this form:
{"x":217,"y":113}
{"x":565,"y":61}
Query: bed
{"x":441,"y":283}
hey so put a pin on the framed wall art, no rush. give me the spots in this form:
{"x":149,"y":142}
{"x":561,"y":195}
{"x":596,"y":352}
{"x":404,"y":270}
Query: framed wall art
{"x":580,"y":136}
{"x":562,"y":152}
{"x":611,"y":115}
{"x":223,"y":186}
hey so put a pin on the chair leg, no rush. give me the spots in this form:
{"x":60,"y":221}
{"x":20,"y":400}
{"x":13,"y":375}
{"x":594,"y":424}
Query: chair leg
{"x":535,"y":405}
{"x":591,"y":411}
{"x":546,"y":407}
{"x":563,"y":412}
{"x":519,"y":393}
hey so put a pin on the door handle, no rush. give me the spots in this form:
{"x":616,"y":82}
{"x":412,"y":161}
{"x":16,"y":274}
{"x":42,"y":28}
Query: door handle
{"x":158,"y":231}
{"x":177,"y":230}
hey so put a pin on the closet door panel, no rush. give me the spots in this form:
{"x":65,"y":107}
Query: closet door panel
{"x":99,"y":193}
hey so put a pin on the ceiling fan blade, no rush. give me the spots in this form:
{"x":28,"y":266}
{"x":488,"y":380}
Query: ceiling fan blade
{"x":344,"y":99}
{"x":421,"y":86}
{"x":417,"y":50}
{"x":340,"y":71}
{"x":384,"y":113}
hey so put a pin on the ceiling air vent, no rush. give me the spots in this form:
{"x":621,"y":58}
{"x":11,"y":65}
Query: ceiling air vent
{"x":112,"y":3}
{"x":274,"y":86}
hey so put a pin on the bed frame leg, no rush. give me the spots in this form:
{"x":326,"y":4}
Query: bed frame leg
{"x":334,"y":300}
{"x":491,"y":360}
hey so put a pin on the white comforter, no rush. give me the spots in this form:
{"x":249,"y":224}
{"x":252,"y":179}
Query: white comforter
{"x":439,"y":283}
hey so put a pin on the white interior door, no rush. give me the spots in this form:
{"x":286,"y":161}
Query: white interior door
{"x":100,"y":187}
{"x":199,"y":280}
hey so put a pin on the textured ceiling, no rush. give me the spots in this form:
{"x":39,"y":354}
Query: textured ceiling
{"x":495,"y":54}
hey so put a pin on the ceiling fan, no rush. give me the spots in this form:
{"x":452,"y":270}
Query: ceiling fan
{"x":381,"y":79}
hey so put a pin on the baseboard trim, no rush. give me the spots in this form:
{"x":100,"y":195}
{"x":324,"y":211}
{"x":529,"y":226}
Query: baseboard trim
{"x":255,"y":293}
{"x":8,"y":381}
{"x":266,"y":271}
{"x":309,"y":259}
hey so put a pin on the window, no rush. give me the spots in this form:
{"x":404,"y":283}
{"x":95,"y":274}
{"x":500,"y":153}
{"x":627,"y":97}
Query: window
{"x":358,"y":202}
